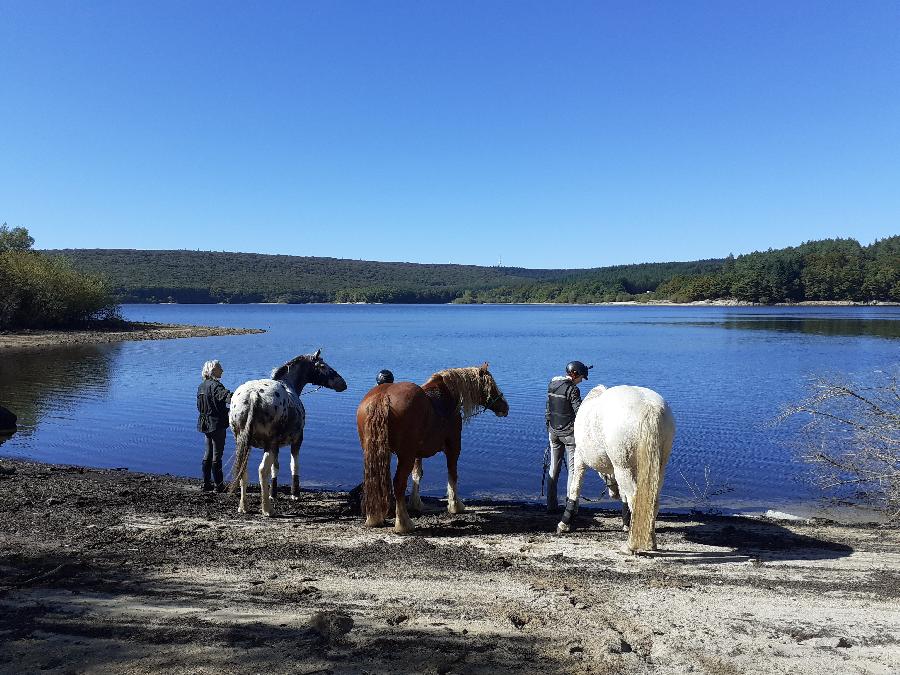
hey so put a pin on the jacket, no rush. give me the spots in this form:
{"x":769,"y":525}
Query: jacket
{"x":563,"y":401}
{"x":212,"y":401}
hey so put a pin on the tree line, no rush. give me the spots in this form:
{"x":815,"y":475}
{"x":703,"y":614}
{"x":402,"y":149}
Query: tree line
{"x":829,"y":270}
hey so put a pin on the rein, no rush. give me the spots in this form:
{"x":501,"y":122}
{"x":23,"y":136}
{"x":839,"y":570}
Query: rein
{"x":485,"y":406}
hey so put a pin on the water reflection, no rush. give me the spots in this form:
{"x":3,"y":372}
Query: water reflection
{"x":831,"y":327}
{"x":35,"y":382}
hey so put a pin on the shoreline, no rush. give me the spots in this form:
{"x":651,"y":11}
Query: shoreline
{"x":133,"y":331}
{"x":112,"y":571}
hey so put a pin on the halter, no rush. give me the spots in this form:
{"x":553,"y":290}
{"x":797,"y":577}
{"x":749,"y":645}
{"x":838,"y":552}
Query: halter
{"x":486,"y":406}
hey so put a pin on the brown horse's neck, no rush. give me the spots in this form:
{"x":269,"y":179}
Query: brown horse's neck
{"x":445,"y":400}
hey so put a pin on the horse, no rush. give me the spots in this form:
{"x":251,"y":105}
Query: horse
{"x":414,"y":422}
{"x":267,"y":414}
{"x":625,"y":433}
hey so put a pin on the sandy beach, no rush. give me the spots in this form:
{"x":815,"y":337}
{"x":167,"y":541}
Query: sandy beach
{"x":108,"y":571}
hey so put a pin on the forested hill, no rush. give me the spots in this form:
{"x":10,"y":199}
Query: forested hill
{"x":832,"y":269}
{"x":204,"y":276}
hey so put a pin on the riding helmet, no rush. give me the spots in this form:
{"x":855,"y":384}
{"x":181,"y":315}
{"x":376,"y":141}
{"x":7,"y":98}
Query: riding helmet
{"x":578,"y":368}
{"x":384,"y":377}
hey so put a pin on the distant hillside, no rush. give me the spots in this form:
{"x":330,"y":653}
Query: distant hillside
{"x":204,"y":276}
{"x":831,"y":269}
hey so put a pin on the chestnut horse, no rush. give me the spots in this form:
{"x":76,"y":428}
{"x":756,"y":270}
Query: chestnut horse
{"x":415,"y":422}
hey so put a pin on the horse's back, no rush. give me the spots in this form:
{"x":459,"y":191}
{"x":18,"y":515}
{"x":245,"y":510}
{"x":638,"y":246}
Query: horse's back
{"x":278,"y":417}
{"x":607,"y":426}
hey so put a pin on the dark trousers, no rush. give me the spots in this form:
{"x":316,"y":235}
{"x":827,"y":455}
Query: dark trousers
{"x":212,"y":458}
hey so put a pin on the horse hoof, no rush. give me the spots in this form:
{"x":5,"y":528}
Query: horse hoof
{"x":242,"y":509}
{"x":372,"y":521}
{"x":562,"y":528}
{"x":402,"y":529}
{"x":627,"y":550}
{"x":456,"y":507}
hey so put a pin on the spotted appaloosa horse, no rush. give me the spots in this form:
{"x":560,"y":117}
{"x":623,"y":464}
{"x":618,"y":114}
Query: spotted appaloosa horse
{"x":415,"y":422}
{"x":267,"y":414}
{"x":625,"y":433}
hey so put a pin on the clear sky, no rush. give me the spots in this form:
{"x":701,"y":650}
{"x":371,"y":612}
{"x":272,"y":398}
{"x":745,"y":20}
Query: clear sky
{"x":573,"y":134}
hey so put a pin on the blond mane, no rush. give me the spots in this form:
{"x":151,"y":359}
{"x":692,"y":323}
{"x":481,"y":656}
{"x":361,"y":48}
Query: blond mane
{"x":469,"y":386}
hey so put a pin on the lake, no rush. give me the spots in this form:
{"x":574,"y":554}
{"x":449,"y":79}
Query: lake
{"x":727,"y":373}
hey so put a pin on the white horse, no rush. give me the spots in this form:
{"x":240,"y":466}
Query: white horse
{"x":267,"y":414}
{"x":625,"y":433}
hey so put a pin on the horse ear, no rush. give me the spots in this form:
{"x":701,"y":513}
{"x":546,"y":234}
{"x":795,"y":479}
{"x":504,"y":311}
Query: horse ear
{"x":484,"y":367}
{"x":318,"y":351}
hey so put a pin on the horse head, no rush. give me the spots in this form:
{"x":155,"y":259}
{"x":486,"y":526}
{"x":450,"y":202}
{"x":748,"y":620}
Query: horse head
{"x":493,"y":397}
{"x":309,"y":369}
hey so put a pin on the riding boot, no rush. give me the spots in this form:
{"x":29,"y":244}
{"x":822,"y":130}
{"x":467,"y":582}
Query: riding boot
{"x":207,"y":476}
{"x":571,"y":510}
{"x":552,"y":503}
{"x":295,"y":486}
{"x":218,"y":477}
{"x":274,"y":491}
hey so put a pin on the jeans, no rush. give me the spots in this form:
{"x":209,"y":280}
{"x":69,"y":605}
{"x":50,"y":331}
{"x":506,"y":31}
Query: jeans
{"x":561,"y":442}
{"x":212,"y":458}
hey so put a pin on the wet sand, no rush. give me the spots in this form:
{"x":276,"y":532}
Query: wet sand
{"x":28,"y":339}
{"x":108,"y":571}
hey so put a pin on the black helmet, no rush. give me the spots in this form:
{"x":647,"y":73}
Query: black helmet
{"x":577,"y":368}
{"x":384,"y":377}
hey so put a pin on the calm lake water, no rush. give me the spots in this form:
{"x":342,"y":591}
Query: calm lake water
{"x":726,"y":372}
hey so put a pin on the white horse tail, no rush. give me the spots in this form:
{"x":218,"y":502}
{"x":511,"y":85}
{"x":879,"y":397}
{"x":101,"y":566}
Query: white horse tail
{"x":649,"y":475}
{"x":242,"y":443}
{"x":376,"y":461}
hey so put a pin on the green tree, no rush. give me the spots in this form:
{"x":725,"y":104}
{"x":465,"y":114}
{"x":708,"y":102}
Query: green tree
{"x":15,"y":239}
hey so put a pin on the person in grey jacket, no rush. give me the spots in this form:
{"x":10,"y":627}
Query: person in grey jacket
{"x":563,"y":401}
{"x":212,"y":404}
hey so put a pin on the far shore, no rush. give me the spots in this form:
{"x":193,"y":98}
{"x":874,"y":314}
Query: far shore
{"x":30,"y":339}
{"x":111,"y":571}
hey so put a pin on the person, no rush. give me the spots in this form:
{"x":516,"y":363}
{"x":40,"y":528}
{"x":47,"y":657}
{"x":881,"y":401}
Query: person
{"x":384,"y":377}
{"x":212,"y":401}
{"x":563,"y":401}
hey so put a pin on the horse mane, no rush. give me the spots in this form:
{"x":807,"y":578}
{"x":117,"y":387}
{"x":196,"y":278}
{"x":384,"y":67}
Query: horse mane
{"x":469,"y":386}
{"x":595,"y":392}
{"x":281,"y":371}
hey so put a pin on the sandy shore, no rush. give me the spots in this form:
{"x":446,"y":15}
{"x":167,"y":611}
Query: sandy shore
{"x":108,"y":571}
{"x":28,"y":339}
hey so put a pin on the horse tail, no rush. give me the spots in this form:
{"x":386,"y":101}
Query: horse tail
{"x":649,"y":479}
{"x":376,"y":459}
{"x":242,"y":443}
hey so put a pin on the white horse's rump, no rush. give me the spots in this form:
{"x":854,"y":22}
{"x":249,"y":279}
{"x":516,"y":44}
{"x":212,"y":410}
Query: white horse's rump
{"x":625,"y":432}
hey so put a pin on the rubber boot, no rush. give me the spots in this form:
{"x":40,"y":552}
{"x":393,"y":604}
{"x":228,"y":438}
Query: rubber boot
{"x":218,"y":477}
{"x":295,"y":487}
{"x":207,"y":476}
{"x":274,"y":491}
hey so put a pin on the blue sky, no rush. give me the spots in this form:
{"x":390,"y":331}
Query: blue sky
{"x":551,"y":134}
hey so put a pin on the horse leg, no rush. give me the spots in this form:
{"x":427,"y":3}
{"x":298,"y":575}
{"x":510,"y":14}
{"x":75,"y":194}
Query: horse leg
{"x":454,"y":503}
{"x":275,"y":467}
{"x":402,"y":522}
{"x":575,"y":483}
{"x":242,"y":505}
{"x":415,"y":501}
{"x":265,"y":467}
{"x":627,"y":490}
{"x":613,"y":488}
{"x":295,"y":471}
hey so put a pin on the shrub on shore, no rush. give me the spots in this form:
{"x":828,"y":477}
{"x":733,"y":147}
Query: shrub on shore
{"x":40,"y":291}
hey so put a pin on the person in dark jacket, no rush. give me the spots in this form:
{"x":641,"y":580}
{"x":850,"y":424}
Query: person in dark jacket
{"x":212,"y":401}
{"x":563,"y":401}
